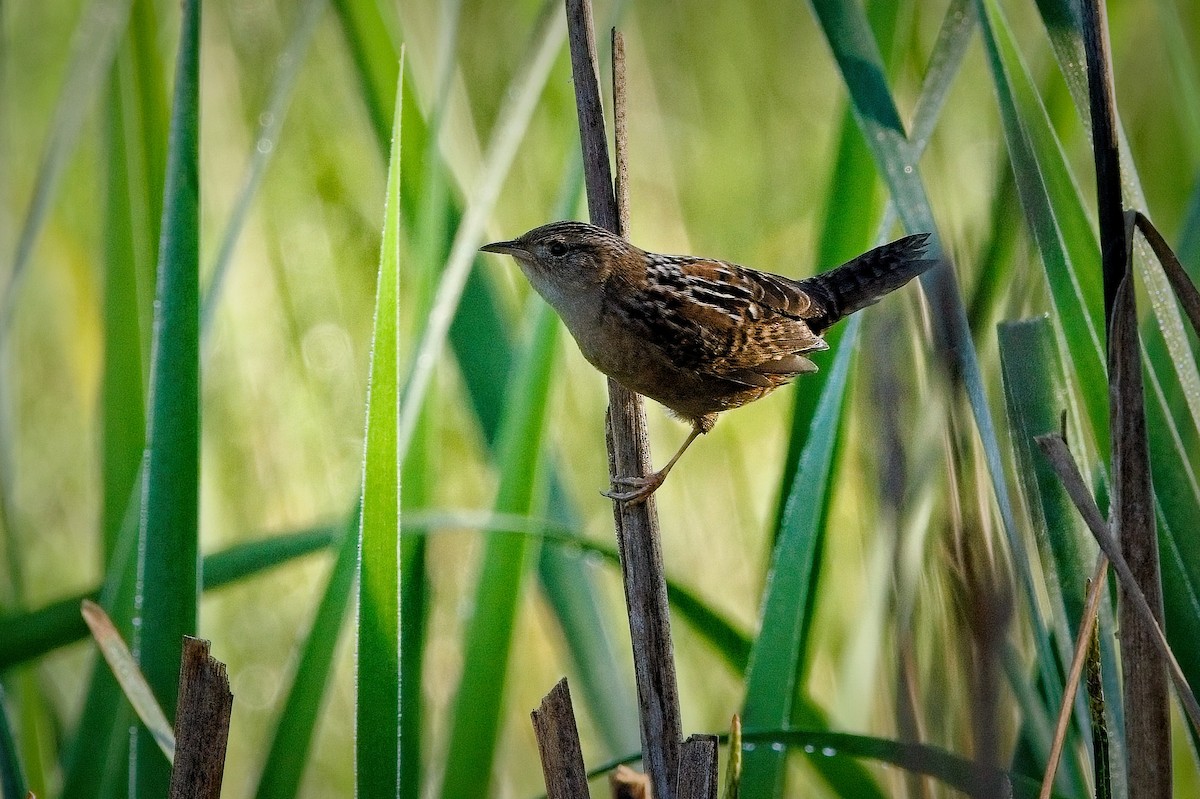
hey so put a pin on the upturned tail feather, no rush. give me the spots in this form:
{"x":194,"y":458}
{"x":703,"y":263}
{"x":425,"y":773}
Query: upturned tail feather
{"x":867,"y":279}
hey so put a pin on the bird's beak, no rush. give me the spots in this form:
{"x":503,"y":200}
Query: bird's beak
{"x":513,"y":247}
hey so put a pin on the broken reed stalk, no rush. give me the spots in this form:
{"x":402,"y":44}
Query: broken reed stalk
{"x":558,"y":744}
{"x":1147,"y":717}
{"x":698,"y":768}
{"x":629,"y":451}
{"x":201,"y":724}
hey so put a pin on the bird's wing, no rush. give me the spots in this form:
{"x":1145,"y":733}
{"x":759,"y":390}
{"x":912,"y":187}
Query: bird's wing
{"x":727,"y":320}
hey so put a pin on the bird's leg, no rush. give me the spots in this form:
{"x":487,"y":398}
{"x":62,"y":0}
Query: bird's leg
{"x":642,"y":487}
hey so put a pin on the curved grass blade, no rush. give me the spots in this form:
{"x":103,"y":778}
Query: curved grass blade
{"x":846,"y":29}
{"x":377,"y":665}
{"x":853,"y":181}
{"x":488,"y":638}
{"x":1053,"y":206}
{"x":852,"y":186}
{"x":771,"y":675}
{"x":168,"y":566}
{"x":292,"y":740}
{"x":25,"y":636}
{"x":1186,"y":95}
{"x":93,"y":49}
{"x":957,"y":772}
{"x":28,"y":635}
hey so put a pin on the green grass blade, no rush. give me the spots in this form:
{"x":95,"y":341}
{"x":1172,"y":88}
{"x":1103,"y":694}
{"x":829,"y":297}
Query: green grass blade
{"x":272,"y":118}
{"x":726,"y":638}
{"x":1189,"y":239}
{"x":12,"y":776}
{"x":1036,"y":394}
{"x":1184,"y":69}
{"x":488,"y":639}
{"x":376,"y":53}
{"x":510,"y":129}
{"x":771,"y":676}
{"x":122,"y":399}
{"x":292,"y":740}
{"x":414,"y":613}
{"x":147,"y":123}
{"x":1056,"y":218}
{"x":846,"y":29}
{"x":567,"y":583}
{"x":96,"y":759}
{"x":168,"y":567}
{"x":957,"y":772}
{"x":24,"y":636}
{"x":962,"y":774}
{"x":1066,"y":35}
{"x":96,"y":42}
{"x":251,"y":558}
{"x":377,"y":716}
{"x":852,"y":185}
{"x":1172,"y":447}
{"x":1053,"y":206}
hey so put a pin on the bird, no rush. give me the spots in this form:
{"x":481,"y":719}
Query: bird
{"x":699,"y":336}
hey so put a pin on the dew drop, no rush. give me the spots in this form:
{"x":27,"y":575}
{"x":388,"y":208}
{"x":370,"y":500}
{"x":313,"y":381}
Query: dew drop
{"x":828,"y":751}
{"x":809,"y":748}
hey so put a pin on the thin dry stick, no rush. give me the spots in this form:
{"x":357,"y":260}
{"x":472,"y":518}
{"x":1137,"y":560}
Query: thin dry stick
{"x":1082,"y":645}
{"x":201,"y":724}
{"x":1064,"y":466}
{"x":629,"y":453}
{"x":558,"y":744}
{"x":620,"y":130}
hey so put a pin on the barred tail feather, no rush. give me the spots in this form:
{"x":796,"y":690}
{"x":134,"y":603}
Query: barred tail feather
{"x":866,"y":279}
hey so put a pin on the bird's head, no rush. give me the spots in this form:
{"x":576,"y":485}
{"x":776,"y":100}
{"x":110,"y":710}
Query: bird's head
{"x":565,"y":259}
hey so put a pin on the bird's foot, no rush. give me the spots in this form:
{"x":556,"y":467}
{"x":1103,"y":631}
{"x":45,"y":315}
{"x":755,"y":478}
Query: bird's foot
{"x":640,"y":488}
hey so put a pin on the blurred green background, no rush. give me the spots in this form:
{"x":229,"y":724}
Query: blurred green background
{"x":741,"y":147}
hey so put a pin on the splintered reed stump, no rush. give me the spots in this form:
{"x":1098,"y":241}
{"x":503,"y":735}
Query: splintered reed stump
{"x":558,"y":744}
{"x":201,"y":724}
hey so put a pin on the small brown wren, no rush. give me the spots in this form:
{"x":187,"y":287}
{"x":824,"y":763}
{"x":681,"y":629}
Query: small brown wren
{"x":697,"y":335}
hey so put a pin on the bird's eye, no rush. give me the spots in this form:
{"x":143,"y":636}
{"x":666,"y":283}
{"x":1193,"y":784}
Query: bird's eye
{"x":557,"y":249}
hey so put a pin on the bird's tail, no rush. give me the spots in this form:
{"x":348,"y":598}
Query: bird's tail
{"x":866,"y":279}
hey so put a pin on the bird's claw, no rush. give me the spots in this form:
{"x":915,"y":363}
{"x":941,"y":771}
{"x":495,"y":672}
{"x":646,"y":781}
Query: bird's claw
{"x":641,"y":488}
